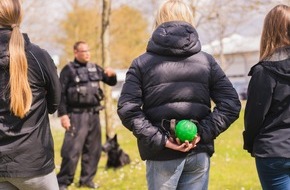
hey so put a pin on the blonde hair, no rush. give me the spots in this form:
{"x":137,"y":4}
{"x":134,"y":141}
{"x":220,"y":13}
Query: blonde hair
{"x":174,"y":10}
{"x":276,"y":31}
{"x":20,"y":92}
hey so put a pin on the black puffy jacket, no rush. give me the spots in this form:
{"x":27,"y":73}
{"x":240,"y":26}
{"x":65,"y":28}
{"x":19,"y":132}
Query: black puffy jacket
{"x":174,"y":79}
{"x":26,"y":145}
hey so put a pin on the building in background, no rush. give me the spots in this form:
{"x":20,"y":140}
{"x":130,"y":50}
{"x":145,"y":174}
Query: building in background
{"x":121,"y":76}
{"x":239,"y":53}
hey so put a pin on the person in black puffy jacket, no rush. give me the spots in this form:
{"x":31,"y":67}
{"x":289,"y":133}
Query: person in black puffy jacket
{"x":267,"y":112}
{"x":29,"y":91}
{"x":174,"y":79}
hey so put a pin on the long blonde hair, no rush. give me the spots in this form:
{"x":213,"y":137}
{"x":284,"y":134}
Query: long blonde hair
{"x":20,"y":91}
{"x":174,"y":10}
{"x":276,"y":31}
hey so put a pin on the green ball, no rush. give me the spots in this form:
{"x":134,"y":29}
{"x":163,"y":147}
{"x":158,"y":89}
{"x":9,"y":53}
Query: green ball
{"x":185,"y":130}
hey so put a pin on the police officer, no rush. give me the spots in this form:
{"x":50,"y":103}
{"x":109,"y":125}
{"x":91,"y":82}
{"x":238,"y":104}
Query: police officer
{"x":79,"y":115}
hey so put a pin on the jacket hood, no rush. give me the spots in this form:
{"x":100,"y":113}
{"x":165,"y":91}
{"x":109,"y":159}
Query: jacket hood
{"x":5,"y":34}
{"x":278,"y":63}
{"x":174,"y":38}
{"x":4,"y":41}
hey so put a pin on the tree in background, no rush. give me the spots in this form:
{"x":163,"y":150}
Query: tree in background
{"x":82,"y":23}
{"x":122,"y":39}
{"x":217,"y":20}
{"x":42,"y":18}
{"x":129,"y":35}
{"x":106,"y":60}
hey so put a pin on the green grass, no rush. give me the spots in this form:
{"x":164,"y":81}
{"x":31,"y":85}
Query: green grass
{"x":232,"y":168}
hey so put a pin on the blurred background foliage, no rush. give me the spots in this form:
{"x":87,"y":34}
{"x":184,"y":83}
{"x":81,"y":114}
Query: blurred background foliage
{"x":56,"y":24}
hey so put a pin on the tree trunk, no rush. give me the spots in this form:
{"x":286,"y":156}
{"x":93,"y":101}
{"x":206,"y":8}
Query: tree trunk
{"x":105,"y":40}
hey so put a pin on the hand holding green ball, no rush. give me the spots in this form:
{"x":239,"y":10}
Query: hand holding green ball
{"x":185,"y":130}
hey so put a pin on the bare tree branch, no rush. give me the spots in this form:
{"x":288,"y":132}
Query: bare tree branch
{"x":106,"y":59}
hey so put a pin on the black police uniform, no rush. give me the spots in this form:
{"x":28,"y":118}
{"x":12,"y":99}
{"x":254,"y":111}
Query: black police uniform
{"x":81,"y":96}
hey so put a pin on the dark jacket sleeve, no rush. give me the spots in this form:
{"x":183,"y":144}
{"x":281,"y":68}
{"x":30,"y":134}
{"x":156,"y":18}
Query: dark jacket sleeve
{"x":131,"y":114}
{"x":111,"y":81}
{"x":227,"y":105}
{"x":260,"y":91}
{"x":52,"y":84}
{"x":65,"y":76}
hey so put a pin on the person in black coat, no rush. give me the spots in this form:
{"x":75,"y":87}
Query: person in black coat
{"x":79,"y":114}
{"x":267,"y":112}
{"x":174,"y":79}
{"x":29,"y":91}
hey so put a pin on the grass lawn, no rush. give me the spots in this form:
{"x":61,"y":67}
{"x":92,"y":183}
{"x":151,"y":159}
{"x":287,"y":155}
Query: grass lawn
{"x":232,"y":168}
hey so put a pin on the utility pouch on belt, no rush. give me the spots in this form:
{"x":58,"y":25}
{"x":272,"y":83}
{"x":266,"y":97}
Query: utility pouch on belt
{"x":100,"y":94}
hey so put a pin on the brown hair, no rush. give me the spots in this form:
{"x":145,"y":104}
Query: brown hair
{"x":276,"y":31}
{"x":174,"y":10}
{"x":20,"y":92}
{"x":76,"y":45}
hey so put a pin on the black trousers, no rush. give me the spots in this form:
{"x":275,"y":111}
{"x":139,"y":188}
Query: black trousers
{"x":82,"y":140}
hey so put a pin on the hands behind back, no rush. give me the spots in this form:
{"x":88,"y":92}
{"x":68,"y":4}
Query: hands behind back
{"x":182,"y":147}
